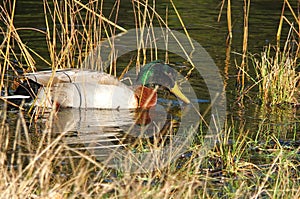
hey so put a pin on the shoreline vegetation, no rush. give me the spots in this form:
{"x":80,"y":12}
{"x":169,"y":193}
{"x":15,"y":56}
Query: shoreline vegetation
{"x":34,"y":163}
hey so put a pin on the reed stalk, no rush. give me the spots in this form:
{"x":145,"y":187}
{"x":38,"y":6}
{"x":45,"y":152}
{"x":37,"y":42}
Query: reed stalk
{"x":229,"y":23}
{"x":229,"y":20}
{"x":241,"y":73}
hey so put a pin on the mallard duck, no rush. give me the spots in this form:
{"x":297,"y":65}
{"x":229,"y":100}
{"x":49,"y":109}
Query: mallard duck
{"x":83,"y":88}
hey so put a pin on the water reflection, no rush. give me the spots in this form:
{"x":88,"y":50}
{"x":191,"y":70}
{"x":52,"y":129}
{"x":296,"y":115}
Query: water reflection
{"x":109,"y":134}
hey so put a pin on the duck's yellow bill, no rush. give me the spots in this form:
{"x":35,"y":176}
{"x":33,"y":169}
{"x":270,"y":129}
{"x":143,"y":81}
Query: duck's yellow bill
{"x":177,"y":92}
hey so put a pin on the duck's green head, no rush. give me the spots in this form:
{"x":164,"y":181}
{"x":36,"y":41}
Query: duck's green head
{"x":159,"y":73}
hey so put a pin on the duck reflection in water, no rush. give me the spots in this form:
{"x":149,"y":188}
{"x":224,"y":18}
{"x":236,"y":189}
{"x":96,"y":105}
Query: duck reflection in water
{"x":110,"y":133}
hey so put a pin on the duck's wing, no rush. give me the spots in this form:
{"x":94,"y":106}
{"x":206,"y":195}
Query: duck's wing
{"x":44,"y":77}
{"x":90,"y":95}
{"x":59,"y":76}
{"x":72,"y":76}
{"x":82,"y":88}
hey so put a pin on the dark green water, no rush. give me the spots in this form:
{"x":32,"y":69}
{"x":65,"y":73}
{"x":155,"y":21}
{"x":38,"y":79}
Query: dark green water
{"x":200,"y":18}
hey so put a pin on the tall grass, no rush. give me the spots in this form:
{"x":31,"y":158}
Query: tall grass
{"x":48,"y":167}
{"x":12,"y":46}
{"x":278,"y":76}
{"x":74,"y":29}
{"x":277,"y":67}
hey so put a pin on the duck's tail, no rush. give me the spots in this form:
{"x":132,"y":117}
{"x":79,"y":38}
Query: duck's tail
{"x":26,"y":91}
{"x":16,"y":97}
